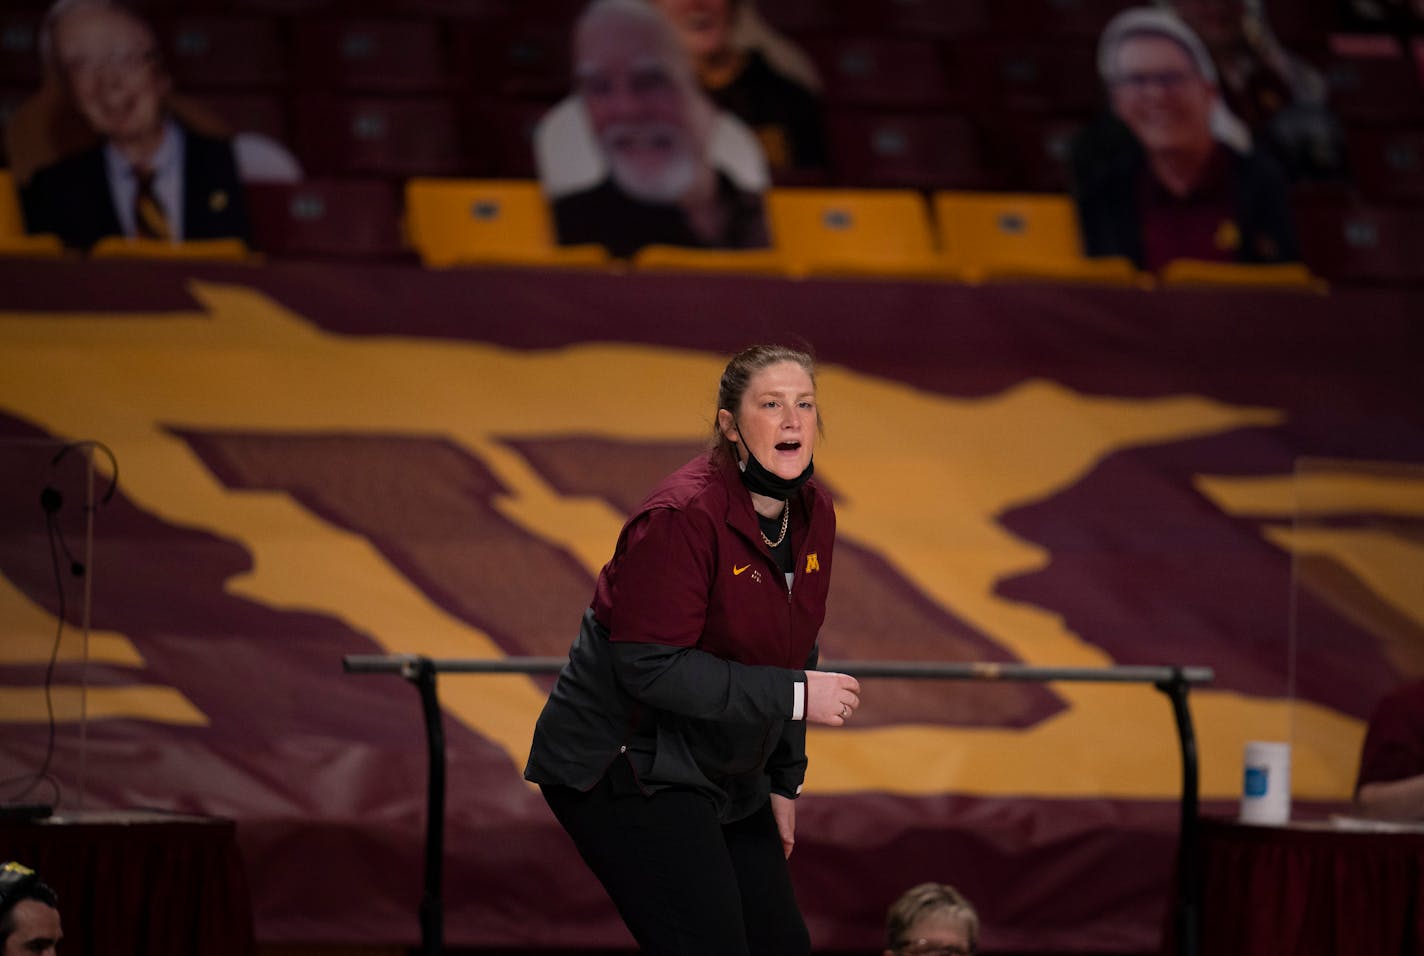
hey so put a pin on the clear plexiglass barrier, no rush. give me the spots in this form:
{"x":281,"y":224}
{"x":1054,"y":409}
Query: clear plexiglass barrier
{"x":1357,"y":606}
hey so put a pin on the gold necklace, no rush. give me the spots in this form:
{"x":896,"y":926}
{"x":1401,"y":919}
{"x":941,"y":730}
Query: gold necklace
{"x":785,"y":520}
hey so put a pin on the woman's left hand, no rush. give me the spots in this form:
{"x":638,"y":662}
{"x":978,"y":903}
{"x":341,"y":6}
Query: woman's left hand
{"x":784,"y":810}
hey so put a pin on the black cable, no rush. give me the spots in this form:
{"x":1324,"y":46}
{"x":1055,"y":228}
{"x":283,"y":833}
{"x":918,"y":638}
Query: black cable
{"x":51,"y":501}
{"x":56,"y":544}
{"x":108,"y":453}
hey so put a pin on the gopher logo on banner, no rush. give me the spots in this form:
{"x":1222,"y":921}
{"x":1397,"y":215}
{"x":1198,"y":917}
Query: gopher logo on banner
{"x":456,"y":499}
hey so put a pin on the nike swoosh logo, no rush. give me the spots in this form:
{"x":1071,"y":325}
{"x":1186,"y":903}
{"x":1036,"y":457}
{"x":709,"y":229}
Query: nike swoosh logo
{"x":737,"y":570}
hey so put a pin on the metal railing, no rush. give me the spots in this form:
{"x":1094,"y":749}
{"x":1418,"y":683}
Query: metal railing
{"x":1173,"y":681}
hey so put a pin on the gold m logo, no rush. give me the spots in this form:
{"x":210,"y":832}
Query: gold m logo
{"x":813,"y":563}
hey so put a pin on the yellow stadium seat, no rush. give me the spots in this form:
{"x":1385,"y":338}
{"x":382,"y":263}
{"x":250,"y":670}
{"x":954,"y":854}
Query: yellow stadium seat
{"x":13,"y":240}
{"x":859,"y":232}
{"x":453,"y":222}
{"x":683,"y":259}
{"x":1286,"y":276}
{"x":1012,"y":236}
{"x":11,"y":221}
{"x":121,"y":247}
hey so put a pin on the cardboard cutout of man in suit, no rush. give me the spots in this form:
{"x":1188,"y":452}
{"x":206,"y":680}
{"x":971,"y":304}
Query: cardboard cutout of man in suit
{"x":151,"y":176}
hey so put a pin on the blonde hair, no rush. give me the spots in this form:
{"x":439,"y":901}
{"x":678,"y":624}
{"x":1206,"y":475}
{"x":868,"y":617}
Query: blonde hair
{"x":928,"y":898}
{"x":738,"y":374}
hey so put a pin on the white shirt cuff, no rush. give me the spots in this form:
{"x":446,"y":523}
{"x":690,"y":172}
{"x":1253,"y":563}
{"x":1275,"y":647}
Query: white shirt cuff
{"x":798,"y":700}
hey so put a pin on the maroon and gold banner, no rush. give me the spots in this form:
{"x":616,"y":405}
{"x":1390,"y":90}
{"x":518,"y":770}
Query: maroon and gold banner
{"x":321,"y":460}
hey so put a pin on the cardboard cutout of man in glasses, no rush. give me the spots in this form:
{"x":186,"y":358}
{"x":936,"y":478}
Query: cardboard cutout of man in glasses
{"x":1158,"y":181}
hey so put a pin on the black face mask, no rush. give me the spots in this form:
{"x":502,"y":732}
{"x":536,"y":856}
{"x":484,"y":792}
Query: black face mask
{"x":762,"y":482}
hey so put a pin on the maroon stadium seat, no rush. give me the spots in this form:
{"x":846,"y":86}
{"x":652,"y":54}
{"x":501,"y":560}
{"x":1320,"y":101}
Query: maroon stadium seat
{"x":378,"y":55}
{"x":10,"y":99}
{"x":918,"y":150}
{"x":285,"y":7}
{"x":1354,"y":242}
{"x":801,"y":16}
{"x":224,"y":52}
{"x":487,"y":10}
{"x":1054,"y":18}
{"x":525,"y":57}
{"x":1303,"y":28}
{"x":1031,"y":150}
{"x":1027,"y":74}
{"x":322,"y":219}
{"x":926,"y":18}
{"x":380,"y":136}
{"x":880,"y":72}
{"x":1376,"y":88}
{"x":505,"y":129}
{"x":264,"y":113}
{"x":19,"y":47}
{"x":1387,"y":162}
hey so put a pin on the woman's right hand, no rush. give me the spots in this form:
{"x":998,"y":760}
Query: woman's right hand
{"x":830,"y":697}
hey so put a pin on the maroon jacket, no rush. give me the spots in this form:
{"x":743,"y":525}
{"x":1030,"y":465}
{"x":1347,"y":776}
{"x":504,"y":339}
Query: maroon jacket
{"x":687,"y":657}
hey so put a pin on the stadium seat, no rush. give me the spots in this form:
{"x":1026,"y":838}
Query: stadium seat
{"x":206,"y":52}
{"x":918,"y":151}
{"x":1382,"y":87}
{"x":1303,"y":28}
{"x":379,"y":136}
{"x":1031,"y":151}
{"x":1287,"y":276}
{"x":920,"y":18}
{"x":121,"y":247}
{"x":505,"y":128}
{"x":10,"y":100}
{"x":19,"y":48}
{"x":880,"y":72}
{"x":1387,"y":162}
{"x":453,"y":222}
{"x":853,"y":232}
{"x":469,"y":10}
{"x":995,"y":236}
{"x":264,"y":113}
{"x":13,"y":239}
{"x":1082,"y":19}
{"x":286,"y":8}
{"x":327,"y":219}
{"x":371,"y":54}
{"x":1349,"y":242}
{"x":12,"y":222}
{"x":528,"y":57}
{"x":1032,"y":74}
{"x":798,"y":17}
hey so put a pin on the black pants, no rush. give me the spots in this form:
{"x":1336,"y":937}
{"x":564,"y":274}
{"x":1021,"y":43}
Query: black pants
{"x":684,"y":883}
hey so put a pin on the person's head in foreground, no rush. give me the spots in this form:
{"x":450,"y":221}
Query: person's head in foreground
{"x":108,"y":62}
{"x":931,"y":919}
{"x":767,"y":417}
{"x":650,"y":117}
{"x":29,"y":913}
{"x":1161,"y":81}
